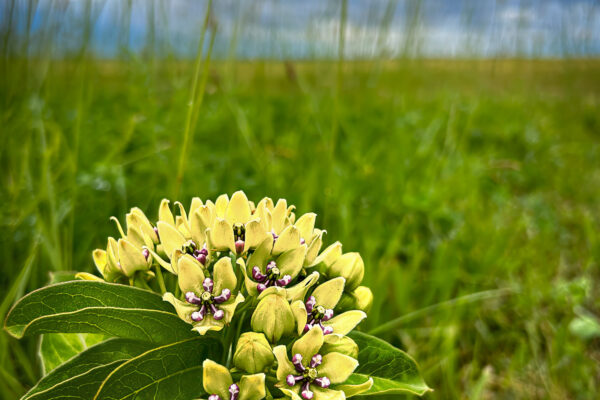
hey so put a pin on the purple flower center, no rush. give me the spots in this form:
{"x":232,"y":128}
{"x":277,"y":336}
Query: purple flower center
{"x":239,"y":236}
{"x":207,"y":301}
{"x":271,"y":278}
{"x":307,"y":375}
{"x":234,"y":393}
{"x":316,"y":315}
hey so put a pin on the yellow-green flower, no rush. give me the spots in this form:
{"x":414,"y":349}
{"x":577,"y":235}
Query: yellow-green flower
{"x":253,"y":353}
{"x":318,"y":310}
{"x":218,"y":383}
{"x":311,"y":373}
{"x":120,"y":259}
{"x":209,"y":303}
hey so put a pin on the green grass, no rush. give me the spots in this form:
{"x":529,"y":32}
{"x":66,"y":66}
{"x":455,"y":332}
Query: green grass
{"x":452,"y":178}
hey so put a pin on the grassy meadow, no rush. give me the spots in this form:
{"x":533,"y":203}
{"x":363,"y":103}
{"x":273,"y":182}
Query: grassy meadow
{"x":471,"y":189}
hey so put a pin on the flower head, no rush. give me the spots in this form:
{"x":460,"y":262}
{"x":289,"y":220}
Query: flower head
{"x":318,"y":311}
{"x":209,"y":302}
{"x":311,"y":373}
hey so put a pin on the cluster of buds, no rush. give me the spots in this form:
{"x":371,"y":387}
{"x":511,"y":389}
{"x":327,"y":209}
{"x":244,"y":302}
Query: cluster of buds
{"x":258,"y":274}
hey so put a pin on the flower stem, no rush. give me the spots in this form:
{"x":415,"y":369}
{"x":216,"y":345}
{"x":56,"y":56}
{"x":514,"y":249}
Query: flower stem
{"x":160,"y":279}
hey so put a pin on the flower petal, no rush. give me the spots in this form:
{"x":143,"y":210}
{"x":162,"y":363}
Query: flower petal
{"x":130,"y":257}
{"x":328,"y":294}
{"x":165,"y":214}
{"x":171,"y":267}
{"x":216,"y":379}
{"x":221,"y":205}
{"x":251,"y":286}
{"x":284,"y":365}
{"x":170,"y":237}
{"x":230,"y":306}
{"x":255,"y":234}
{"x":309,"y":344}
{"x":195,"y":204}
{"x":238,"y":209}
{"x":329,"y":255}
{"x":224,"y":275}
{"x":288,"y":240}
{"x":313,"y":249}
{"x":252,"y":387}
{"x":190,"y":274}
{"x":279,"y":214}
{"x":99,"y":257}
{"x":298,"y":291}
{"x":306,"y":225}
{"x":345,"y":322}
{"x":86,"y":276}
{"x":260,"y":256}
{"x":299,"y":311}
{"x":290,"y":262}
{"x":208,"y":324}
{"x":221,"y":236}
{"x":337,"y":367}
{"x":183,"y":309}
{"x":197,"y":228}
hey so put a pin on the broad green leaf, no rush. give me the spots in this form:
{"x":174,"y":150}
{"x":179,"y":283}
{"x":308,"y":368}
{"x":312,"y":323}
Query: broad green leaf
{"x":81,"y":376}
{"x":56,"y":348}
{"x":173,"y":371}
{"x":393,"y":371}
{"x":97,"y":307}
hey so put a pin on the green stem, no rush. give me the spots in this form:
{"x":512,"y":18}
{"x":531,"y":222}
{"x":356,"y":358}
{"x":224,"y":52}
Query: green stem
{"x":160,"y":279}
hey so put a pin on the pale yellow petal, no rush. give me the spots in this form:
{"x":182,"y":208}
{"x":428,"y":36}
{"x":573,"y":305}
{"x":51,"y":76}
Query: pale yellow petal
{"x":165,"y":214}
{"x":284,"y":365}
{"x":252,"y":387}
{"x":287,"y":240}
{"x":190,"y":274}
{"x":88,"y":277}
{"x":329,"y":255}
{"x":196,"y":204}
{"x":197,"y":228}
{"x":328,"y":293}
{"x":279,"y":215}
{"x":313,"y":249}
{"x":221,"y":236}
{"x":238,"y":209}
{"x":337,"y":367}
{"x":299,"y":311}
{"x":170,"y":238}
{"x":183,"y":309}
{"x":309,"y":344}
{"x":345,"y":322}
{"x":261,"y":255}
{"x":224,"y":276}
{"x":306,"y":225}
{"x":229,"y":307}
{"x":131,"y":257}
{"x":116,"y":221}
{"x":354,"y":390}
{"x":327,"y":394}
{"x":216,"y":379}
{"x":298,"y":291}
{"x":221,"y":205}
{"x":290,"y":262}
{"x":99,"y":257}
{"x":255,"y":234}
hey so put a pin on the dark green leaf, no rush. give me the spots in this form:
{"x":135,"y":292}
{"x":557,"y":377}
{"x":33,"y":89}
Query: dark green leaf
{"x":81,"y":376}
{"x":170,"y":372}
{"x":97,"y":307}
{"x":56,"y":348}
{"x":393,"y":371}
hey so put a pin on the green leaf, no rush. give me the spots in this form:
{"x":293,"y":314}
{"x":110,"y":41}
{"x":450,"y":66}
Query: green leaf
{"x":81,"y":376}
{"x":56,"y":348}
{"x":393,"y":371}
{"x":97,"y":307}
{"x":172,"y":372}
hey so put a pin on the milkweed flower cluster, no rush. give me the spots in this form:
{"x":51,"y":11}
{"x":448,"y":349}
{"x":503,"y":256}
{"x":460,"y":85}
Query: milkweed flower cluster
{"x":257,"y":277}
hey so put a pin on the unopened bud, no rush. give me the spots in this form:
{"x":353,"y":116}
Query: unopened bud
{"x":253,"y":353}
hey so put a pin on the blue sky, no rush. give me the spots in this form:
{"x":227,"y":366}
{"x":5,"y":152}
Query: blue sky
{"x":308,"y":28}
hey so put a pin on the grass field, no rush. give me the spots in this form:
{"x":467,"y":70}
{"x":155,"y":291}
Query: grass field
{"x":471,"y":189}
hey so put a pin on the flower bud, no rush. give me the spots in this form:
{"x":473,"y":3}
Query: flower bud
{"x":253,"y":353}
{"x":340,"y":344}
{"x":360,"y":298}
{"x":349,"y":266}
{"x":273,"y":316}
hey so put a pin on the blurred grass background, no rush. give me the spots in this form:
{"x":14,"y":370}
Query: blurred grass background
{"x":470,"y":185}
